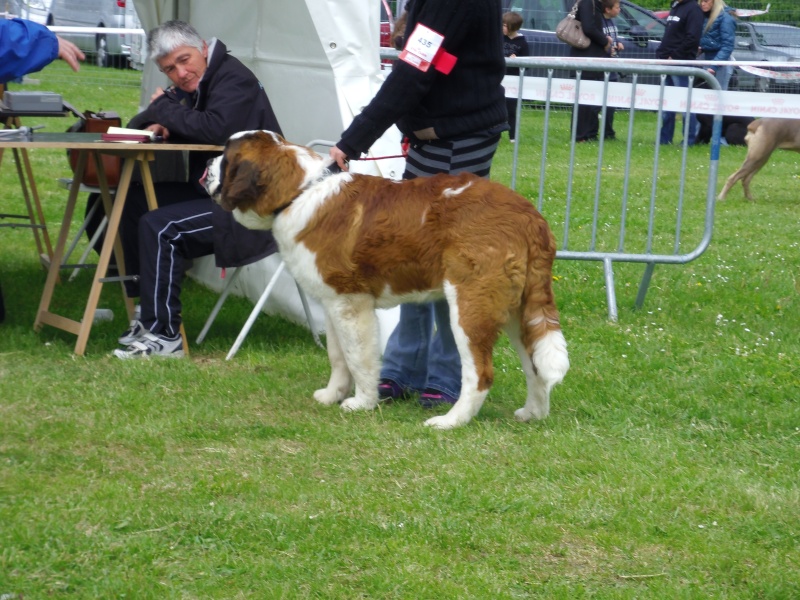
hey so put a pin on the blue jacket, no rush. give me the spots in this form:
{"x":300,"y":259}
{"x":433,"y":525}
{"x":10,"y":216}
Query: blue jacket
{"x":25,"y":47}
{"x":718,"y":41}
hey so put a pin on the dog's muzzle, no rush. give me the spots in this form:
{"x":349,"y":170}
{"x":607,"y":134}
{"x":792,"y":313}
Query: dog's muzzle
{"x":211,"y":179}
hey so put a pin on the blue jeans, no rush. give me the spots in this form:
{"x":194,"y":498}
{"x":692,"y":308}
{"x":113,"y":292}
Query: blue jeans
{"x":723,"y":75}
{"x":668,"y":117}
{"x":421,"y":352}
{"x":419,"y":357}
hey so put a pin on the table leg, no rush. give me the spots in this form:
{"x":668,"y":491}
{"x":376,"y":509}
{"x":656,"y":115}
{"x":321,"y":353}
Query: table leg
{"x":37,"y":202}
{"x":44,"y":315}
{"x":36,"y":219}
{"x":111,"y":242}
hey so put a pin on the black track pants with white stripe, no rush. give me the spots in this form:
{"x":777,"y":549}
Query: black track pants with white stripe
{"x":168,"y":238}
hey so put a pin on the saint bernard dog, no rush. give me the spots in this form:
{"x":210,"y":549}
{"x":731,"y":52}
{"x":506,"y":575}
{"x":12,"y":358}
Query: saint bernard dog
{"x":359,"y":242}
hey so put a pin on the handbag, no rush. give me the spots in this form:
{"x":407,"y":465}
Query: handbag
{"x":570,"y":30}
{"x":98,"y":122}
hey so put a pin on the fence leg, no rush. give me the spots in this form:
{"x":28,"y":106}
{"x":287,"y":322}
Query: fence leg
{"x":644,"y":284}
{"x":611,"y":294}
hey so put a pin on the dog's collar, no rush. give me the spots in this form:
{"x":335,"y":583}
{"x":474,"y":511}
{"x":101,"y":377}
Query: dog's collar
{"x":333,"y":169}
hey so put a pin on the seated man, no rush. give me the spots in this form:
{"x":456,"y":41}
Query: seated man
{"x":214,"y":97}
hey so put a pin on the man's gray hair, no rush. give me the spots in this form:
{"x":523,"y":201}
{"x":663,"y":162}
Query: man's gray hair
{"x":168,"y":36}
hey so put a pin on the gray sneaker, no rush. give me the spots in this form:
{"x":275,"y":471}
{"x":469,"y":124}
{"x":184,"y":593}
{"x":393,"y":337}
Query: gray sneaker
{"x":152,"y":344}
{"x":134,"y":332}
{"x":135,"y":329}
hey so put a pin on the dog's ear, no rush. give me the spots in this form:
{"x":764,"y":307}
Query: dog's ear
{"x":242,"y":188}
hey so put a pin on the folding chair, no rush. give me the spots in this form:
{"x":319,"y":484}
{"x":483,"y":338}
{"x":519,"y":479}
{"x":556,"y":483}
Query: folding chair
{"x":65,"y":183}
{"x":264,"y":296}
{"x":259,"y":305}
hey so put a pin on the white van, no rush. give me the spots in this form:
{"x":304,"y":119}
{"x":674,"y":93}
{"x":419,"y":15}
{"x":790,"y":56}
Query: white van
{"x":108,"y":50}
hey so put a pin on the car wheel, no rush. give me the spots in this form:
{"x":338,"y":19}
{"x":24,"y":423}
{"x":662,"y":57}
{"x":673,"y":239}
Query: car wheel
{"x":101,"y":50}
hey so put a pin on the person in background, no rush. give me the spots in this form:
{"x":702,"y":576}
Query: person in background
{"x":445,"y":94}
{"x":514,"y":46}
{"x":719,"y":37}
{"x":27,"y":47}
{"x":590,"y":15}
{"x":611,"y":10}
{"x":214,"y":96}
{"x":680,"y":42}
{"x":399,"y":31}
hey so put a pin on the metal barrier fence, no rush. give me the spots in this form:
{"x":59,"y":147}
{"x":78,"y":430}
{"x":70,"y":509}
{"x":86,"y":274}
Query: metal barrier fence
{"x":610,"y":232}
{"x":604,"y":230}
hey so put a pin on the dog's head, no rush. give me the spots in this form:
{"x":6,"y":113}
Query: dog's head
{"x":257,"y":175}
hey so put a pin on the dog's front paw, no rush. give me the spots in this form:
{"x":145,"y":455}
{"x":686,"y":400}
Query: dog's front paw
{"x":527,"y":413}
{"x":326,"y":396}
{"x":356,"y":403}
{"x":521,"y":414}
{"x":444,"y":422}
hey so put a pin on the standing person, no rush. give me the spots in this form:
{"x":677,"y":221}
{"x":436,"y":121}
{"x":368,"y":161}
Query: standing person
{"x":680,"y":42}
{"x":445,"y":94}
{"x":214,"y":96}
{"x":590,"y":14}
{"x":27,"y":47}
{"x":514,"y":45}
{"x":719,"y":37}
{"x":610,"y":11}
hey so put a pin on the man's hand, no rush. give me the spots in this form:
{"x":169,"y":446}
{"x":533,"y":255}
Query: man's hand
{"x":159,"y":130}
{"x":70,"y":53}
{"x":339,"y":157}
{"x":157,"y":94}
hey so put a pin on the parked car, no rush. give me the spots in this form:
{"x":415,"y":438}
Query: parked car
{"x":138,"y":43}
{"x":10,"y":9}
{"x":639,"y":29}
{"x":768,"y":42}
{"x":33,"y":10}
{"x":108,"y":50}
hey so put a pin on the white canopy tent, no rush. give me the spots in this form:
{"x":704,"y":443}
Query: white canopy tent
{"x":318,"y":61}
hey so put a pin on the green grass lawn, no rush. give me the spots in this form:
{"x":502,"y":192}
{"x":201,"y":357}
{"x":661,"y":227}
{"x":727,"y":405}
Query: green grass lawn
{"x":668,"y":468}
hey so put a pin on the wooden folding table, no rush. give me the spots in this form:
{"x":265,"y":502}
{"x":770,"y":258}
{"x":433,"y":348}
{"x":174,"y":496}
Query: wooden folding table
{"x":132,"y":154}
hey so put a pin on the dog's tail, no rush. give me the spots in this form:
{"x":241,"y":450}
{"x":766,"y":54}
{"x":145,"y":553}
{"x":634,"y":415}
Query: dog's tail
{"x":540,"y":325}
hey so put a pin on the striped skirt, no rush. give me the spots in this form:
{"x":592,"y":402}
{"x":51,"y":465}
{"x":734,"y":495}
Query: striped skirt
{"x":471,"y":155}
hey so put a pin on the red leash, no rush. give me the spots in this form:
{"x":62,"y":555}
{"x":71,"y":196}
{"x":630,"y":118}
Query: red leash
{"x":404,"y":145}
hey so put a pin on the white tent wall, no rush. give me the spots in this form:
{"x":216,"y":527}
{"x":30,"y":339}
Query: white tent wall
{"x":318,"y":61}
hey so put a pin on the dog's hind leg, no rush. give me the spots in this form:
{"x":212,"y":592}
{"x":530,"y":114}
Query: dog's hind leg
{"x":540,"y":339}
{"x":749,"y":177}
{"x":475,"y":334}
{"x":544,"y":361}
{"x":536,"y":403}
{"x":760,"y":147}
{"x":356,"y":326}
{"x":729,"y":183}
{"x":340,"y":382}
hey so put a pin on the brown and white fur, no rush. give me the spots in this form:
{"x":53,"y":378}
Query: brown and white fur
{"x":763,"y":137}
{"x":359,"y":242}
